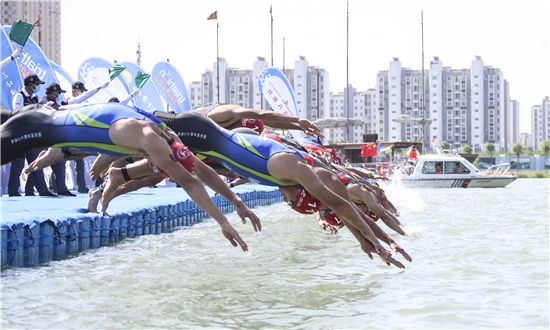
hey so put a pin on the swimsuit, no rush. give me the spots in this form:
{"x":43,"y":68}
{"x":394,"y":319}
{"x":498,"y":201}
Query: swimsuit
{"x":244,"y":154}
{"x":85,"y":128}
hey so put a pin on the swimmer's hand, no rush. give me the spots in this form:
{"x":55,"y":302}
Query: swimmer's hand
{"x":244,"y":212}
{"x":233,"y":236}
{"x":398,"y":249}
{"x":309,"y":128}
{"x":325,"y":225}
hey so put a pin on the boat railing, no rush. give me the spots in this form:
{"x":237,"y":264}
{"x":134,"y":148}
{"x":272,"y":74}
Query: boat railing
{"x":498,"y":169}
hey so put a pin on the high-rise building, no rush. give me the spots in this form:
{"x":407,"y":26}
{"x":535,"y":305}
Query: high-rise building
{"x":195,"y":93}
{"x":465,"y":106}
{"x":460,"y":106}
{"x":540,"y":123}
{"x":311,"y":87}
{"x":258,"y":101}
{"x":47,"y":12}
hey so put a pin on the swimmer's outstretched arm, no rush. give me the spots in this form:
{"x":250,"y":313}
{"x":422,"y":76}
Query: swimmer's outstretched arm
{"x":238,"y":182}
{"x":140,"y":135}
{"x":209,"y":177}
{"x":324,"y":224}
{"x":368,"y":248}
{"x":384,"y":237}
{"x":360,"y":194}
{"x":230,"y":113}
{"x":290,"y":169}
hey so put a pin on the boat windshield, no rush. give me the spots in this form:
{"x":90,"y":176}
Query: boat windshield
{"x":439,"y":167}
{"x":456,"y":168}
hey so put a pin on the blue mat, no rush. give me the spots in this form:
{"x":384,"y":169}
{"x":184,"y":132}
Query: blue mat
{"x":37,"y":229}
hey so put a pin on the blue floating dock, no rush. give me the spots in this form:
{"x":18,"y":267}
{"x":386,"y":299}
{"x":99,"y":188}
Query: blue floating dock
{"x":36,"y":230}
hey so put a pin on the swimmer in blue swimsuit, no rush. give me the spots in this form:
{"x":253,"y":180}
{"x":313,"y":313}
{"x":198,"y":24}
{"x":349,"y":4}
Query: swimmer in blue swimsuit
{"x":117,"y":129}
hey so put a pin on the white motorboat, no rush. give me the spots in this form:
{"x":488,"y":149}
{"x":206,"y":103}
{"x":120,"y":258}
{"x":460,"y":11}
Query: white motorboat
{"x":451,"y":171}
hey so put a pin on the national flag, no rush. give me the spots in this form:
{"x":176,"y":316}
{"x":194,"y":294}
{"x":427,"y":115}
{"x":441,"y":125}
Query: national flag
{"x":116,"y":70}
{"x":37,"y":23}
{"x":141,"y":78}
{"x":20,"y":32}
{"x":369,"y":150}
{"x":214,"y":15}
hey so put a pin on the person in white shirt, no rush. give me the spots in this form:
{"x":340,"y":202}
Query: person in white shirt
{"x":81,"y":95}
{"x":25,"y":97}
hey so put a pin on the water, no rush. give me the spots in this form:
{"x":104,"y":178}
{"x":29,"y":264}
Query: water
{"x":480,"y":260}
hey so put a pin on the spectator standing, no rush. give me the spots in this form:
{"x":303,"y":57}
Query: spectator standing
{"x":57,"y":181}
{"x":81,"y":95}
{"x":36,"y":179}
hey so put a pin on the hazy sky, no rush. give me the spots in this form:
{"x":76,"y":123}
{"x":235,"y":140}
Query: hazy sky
{"x":513,"y":36}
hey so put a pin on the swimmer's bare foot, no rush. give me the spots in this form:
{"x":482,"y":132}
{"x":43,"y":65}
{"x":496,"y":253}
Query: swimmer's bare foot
{"x":45,"y":159}
{"x":93,"y":199}
{"x":115,"y":179}
{"x":100,"y":165}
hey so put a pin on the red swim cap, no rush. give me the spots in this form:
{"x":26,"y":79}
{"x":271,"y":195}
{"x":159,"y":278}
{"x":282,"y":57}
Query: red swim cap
{"x":305,"y":203}
{"x":182,"y":155}
{"x":333,"y":219}
{"x":255,"y":124}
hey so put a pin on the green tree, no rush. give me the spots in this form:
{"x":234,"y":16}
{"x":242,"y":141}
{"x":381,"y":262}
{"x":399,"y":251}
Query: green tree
{"x":490,"y":149}
{"x":444,"y":145}
{"x":466,"y":149}
{"x":544,"y":150}
{"x":517,"y":149}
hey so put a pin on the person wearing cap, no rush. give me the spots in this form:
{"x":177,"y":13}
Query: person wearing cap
{"x":81,"y":95}
{"x":36,"y":180}
{"x":57,"y":179}
{"x":27,"y":95}
{"x":53,"y":92}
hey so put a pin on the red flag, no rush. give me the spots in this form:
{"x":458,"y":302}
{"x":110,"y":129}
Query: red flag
{"x":214,"y":15}
{"x":369,"y":150}
{"x":37,"y":23}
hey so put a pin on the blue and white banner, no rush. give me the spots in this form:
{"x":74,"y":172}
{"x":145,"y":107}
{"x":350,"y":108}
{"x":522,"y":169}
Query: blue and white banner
{"x":33,"y":60}
{"x":94,"y":72}
{"x":276,"y":89}
{"x":10,"y":78}
{"x":64,"y":79}
{"x":171,"y":87}
{"x":148,"y":97}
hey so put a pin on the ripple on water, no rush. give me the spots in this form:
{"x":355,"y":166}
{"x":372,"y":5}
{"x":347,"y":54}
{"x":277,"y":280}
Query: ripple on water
{"x":480,"y":261}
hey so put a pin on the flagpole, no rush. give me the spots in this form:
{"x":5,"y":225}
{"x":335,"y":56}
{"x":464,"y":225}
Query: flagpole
{"x":347,"y":75}
{"x":423,"y":85}
{"x":284,"y":56}
{"x":218,"y":57}
{"x":271,"y":13}
{"x":214,"y":15}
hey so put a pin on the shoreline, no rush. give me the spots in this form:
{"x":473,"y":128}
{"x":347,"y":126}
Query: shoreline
{"x":529,"y":174}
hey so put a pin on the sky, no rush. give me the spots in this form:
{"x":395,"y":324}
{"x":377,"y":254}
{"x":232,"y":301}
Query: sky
{"x":513,"y":36}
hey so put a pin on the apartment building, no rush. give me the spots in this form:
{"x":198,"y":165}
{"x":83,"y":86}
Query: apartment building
{"x":465,"y":106}
{"x":540,"y":123}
